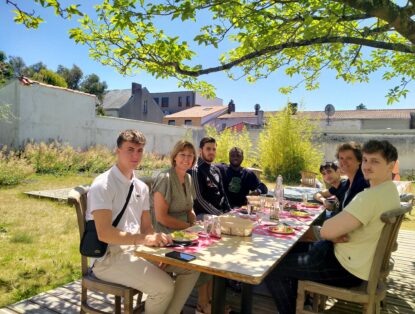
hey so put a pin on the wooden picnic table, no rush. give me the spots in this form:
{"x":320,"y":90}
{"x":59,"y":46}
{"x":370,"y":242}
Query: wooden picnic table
{"x":245,"y":259}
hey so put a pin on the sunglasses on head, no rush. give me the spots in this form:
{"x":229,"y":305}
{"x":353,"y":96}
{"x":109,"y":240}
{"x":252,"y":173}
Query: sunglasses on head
{"x":328,"y":165}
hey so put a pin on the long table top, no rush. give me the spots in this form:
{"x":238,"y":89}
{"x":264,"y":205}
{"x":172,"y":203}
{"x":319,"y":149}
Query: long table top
{"x":246,"y":259}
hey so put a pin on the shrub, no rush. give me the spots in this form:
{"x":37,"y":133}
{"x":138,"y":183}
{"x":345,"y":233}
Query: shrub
{"x":53,"y":158}
{"x":96,"y":159}
{"x":13,"y":170}
{"x":285,"y":146}
{"x":152,"y":161}
{"x":229,"y":138}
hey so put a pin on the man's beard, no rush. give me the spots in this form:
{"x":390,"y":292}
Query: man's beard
{"x":208,"y":159}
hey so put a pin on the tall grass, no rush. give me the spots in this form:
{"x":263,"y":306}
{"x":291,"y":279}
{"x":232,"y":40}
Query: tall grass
{"x":59,"y":159}
{"x":13,"y":169}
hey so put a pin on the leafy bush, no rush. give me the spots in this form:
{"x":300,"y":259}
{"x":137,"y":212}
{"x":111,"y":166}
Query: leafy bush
{"x":285,"y":146}
{"x":96,"y":159}
{"x":152,"y":161}
{"x":54,"y":158}
{"x":228,"y":139}
{"x":13,"y":170}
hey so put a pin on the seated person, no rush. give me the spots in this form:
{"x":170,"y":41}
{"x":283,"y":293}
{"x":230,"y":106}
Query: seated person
{"x":207,"y":181}
{"x":238,"y":181}
{"x":106,"y":198}
{"x":332,"y":178}
{"x":345,"y":257}
{"x":171,"y":202}
{"x":171,"y":198}
{"x":349,"y":156}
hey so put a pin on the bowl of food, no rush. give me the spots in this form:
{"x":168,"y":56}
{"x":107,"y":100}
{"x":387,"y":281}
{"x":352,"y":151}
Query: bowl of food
{"x":281,"y":229}
{"x":183,"y":237}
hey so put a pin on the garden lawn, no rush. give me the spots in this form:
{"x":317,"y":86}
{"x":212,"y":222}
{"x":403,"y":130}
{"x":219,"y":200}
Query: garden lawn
{"x":39,"y":238}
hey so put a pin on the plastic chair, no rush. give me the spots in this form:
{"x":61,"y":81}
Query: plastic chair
{"x":309,"y":179}
{"x":371,"y":292}
{"x":78,"y":198}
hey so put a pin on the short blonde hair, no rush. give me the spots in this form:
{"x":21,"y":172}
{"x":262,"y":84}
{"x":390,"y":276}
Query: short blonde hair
{"x":179,"y":147}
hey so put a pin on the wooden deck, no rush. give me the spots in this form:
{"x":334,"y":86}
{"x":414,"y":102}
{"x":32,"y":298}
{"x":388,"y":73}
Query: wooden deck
{"x":400,"y":298}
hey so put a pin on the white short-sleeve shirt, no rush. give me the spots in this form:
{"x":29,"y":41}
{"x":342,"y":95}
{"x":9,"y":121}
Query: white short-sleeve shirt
{"x":109,"y":191}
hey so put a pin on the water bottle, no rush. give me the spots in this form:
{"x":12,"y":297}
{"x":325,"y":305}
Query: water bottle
{"x":279,"y":190}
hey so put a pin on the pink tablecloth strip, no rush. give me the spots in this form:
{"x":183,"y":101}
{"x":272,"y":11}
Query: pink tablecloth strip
{"x":199,"y":244}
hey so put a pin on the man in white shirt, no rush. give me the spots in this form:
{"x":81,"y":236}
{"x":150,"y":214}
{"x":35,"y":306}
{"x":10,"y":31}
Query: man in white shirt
{"x":345,"y":256}
{"x":106,"y":198}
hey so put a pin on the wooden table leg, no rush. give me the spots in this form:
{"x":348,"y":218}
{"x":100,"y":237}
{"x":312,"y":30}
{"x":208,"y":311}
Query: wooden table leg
{"x":219,"y":294}
{"x":246,"y":298}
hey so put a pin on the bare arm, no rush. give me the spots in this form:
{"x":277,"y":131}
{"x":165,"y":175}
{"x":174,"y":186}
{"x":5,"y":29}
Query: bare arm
{"x":161,"y":209}
{"x":322,"y":196}
{"x":109,"y":234}
{"x":339,"y":226}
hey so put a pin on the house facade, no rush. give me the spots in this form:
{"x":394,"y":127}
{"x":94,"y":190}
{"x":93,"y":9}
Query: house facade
{"x":172,"y":102}
{"x":196,"y":116}
{"x":139,"y":104}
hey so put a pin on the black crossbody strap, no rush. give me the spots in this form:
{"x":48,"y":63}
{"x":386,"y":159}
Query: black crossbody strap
{"x":117,"y":220}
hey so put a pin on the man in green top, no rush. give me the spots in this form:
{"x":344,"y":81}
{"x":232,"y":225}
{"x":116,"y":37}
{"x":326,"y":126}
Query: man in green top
{"x":345,"y":256}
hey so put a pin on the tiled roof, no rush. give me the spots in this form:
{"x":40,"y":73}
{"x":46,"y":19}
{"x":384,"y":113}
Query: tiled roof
{"x":339,"y":114}
{"x":115,"y":99}
{"x":357,"y":114}
{"x":28,"y":82}
{"x":250,"y":114}
{"x":197,"y":112}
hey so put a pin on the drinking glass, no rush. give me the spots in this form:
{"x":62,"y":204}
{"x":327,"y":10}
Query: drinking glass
{"x":305,"y":198}
{"x":262,"y":201}
{"x":207,"y":223}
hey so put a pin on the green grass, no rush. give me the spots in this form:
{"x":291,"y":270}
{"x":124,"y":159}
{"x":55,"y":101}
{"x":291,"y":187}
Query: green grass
{"x":38,"y":239}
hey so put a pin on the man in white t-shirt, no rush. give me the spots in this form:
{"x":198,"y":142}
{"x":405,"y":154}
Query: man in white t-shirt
{"x":106,"y":199}
{"x":345,"y":256}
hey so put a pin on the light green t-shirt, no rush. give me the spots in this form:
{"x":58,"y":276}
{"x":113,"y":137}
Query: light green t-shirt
{"x":178,"y":196}
{"x":356,"y":256}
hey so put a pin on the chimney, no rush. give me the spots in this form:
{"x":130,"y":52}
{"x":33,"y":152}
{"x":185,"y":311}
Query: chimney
{"x":135,"y":88}
{"x":231,"y":106}
{"x":257,"y":107}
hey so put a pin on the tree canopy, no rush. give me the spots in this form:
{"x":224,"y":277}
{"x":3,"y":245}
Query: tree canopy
{"x":252,"y":38}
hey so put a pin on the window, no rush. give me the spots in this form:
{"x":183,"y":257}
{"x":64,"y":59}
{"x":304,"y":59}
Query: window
{"x":223,"y":126}
{"x":145,"y":109}
{"x":187,"y":122}
{"x":164,"y":101}
{"x":172,"y":122}
{"x":156,"y":99}
{"x":187,"y":101}
{"x":179,"y":102}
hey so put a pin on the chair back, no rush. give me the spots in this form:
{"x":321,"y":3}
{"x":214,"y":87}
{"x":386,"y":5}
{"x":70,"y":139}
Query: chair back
{"x":386,"y":245}
{"x":308,"y":178}
{"x":78,"y":198}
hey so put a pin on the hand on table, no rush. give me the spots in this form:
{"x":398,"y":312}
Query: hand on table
{"x":157,"y":239}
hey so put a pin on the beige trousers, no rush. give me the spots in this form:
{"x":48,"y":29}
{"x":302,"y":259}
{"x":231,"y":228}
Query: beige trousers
{"x":164,"y":294}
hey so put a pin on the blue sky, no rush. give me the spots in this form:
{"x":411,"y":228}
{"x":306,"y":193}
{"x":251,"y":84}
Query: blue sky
{"x":51,"y":45}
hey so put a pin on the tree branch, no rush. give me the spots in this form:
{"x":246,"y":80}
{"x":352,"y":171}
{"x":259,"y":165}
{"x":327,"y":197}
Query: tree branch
{"x":388,"y":11}
{"x":289,"y":45}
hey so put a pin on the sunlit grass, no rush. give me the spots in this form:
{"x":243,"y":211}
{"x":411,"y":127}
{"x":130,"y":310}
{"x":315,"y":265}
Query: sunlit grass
{"x":38,"y":239}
